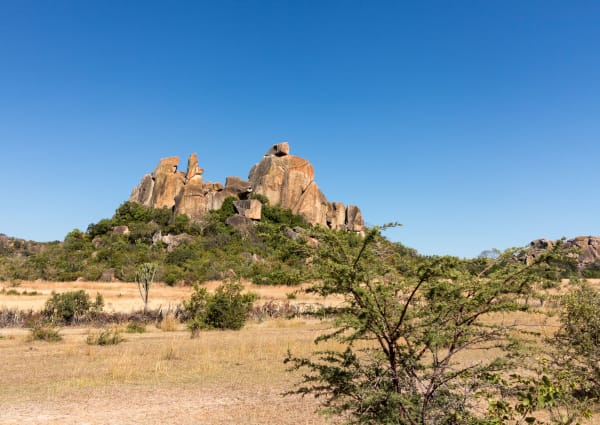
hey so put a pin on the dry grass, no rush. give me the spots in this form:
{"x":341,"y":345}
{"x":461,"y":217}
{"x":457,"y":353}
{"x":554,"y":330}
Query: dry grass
{"x":222,"y":377}
{"x":156,"y":377}
{"x":124,"y":297}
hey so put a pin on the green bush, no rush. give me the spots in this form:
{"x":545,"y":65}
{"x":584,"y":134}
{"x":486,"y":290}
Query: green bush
{"x":44,"y":332}
{"x":262,"y":198}
{"x":227,"y":308}
{"x":71,"y":305}
{"x":103,"y":227}
{"x":592,"y":271}
{"x":135,"y":328}
{"x":578,"y":338}
{"x":104,"y":337}
{"x":276,"y":275}
{"x":278,"y":215}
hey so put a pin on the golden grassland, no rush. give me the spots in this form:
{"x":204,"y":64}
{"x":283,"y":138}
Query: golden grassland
{"x":164,"y":377}
{"x":157,"y":377}
{"x":124,"y":296}
{"x":222,"y":377}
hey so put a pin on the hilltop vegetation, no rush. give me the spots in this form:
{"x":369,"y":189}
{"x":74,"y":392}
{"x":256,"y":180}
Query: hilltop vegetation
{"x":281,"y":248}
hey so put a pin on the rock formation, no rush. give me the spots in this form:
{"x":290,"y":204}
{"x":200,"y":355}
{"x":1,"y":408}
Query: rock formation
{"x":587,"y":248}
{"x":284,"y":179}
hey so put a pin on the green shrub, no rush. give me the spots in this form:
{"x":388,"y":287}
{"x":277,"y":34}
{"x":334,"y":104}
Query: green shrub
{"x":103,"y":227}
{"x":15,"y":292}
{"x":104,"y":337}
{"x":276,"y":275}
{"x":71,"y":305}
{"x":136,"y":328}
{"x":262,"y":198}
{"x":592,"y":271}
{"x":227,"y":308}
{"x":45,"y":332}
{"x":279,"y":215}
{"x":578,"y":338}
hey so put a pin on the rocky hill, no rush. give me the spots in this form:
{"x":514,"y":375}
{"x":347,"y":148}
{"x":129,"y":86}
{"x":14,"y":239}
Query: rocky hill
{"x":586,"y":247}
{"x":285,"y":180}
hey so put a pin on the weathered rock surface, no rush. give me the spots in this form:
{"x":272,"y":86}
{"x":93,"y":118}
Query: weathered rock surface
{"x":279,"y":149}
{"x":284,"y":179}
{"x":168,"y":182}
{"x":241,"y":224}
{"x":120,"y":230}
{"x":588,"y":248}
{"x":251,"y":208}
{"x":172,"y":241}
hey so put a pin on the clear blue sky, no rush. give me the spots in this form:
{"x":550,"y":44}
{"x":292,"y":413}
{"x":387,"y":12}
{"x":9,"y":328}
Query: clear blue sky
{"x":476,"y":124}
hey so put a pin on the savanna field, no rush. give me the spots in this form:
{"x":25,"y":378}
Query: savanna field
{"x":156,"y":377}
{"x":162,"y":375}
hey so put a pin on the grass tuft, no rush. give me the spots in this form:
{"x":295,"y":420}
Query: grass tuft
{"x":104,"y":337}
{"x":168,"y":324}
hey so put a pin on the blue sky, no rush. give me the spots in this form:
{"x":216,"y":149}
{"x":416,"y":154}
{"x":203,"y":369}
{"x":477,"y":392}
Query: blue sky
{"x":475,"y":124}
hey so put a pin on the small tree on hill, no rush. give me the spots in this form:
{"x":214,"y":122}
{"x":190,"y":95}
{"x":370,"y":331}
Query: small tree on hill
{"x":144,"y":277}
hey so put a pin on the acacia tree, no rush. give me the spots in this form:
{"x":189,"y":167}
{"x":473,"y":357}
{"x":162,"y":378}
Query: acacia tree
{"x":419,"y":345}
{"x":577,"y":343}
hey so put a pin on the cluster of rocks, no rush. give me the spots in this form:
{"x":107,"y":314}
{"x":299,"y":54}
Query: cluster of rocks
{"x":587,"y":247}
{"x":284,"y":179}
{"x":18,"y":247}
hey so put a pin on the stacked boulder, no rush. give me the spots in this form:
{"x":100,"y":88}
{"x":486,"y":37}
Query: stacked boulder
{"x":284,"y":179}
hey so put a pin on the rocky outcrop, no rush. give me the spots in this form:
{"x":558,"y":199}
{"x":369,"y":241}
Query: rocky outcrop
{"x":289,"y":181}
{"x":168,"y":182}
{"x":284,"y":179}
{"x":587,"y":249}
{"x":120,"y":230}
{"x":171,"y":241}
{"x":251,"y":208}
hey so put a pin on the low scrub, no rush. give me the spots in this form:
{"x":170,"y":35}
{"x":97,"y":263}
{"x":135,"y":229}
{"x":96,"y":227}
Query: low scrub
{"x":227,"y":308}
{"x":71,"y":306}
{"x":136,"y":328}
{"x":45,"y":332}
{"x":104,"y":337}
{"x":13,"y":291}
